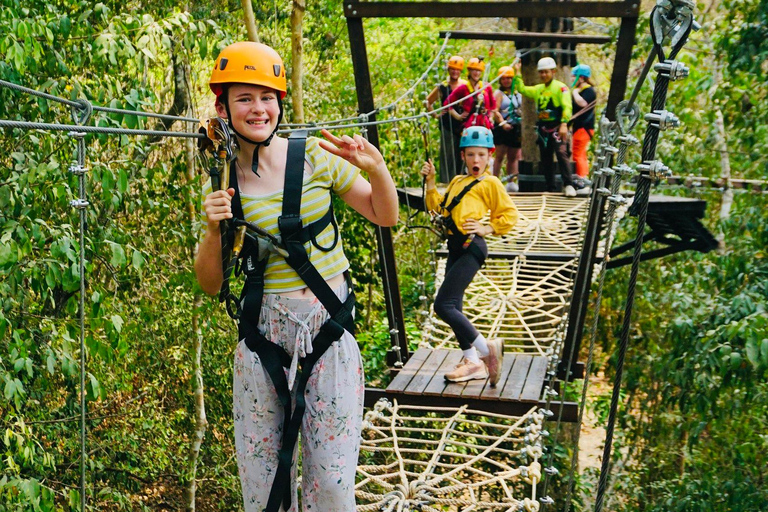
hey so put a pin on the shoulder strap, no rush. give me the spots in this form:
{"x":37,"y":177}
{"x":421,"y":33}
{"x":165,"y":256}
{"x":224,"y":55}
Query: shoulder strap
{"x":291,"y":226}
{"x":456,"y":200}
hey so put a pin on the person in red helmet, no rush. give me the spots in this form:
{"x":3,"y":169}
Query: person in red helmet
{"x":450,"y":128}
{"x":297,"y":366}
{"x":475,"y":110}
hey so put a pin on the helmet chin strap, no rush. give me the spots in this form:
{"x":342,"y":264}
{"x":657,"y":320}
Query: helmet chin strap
{"x":255,"y":157}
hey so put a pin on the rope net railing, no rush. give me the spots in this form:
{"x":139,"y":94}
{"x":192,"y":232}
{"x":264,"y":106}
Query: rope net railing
{"x":434,"y":459}
{"x":520,"y":300}
{"x":547,"y":224}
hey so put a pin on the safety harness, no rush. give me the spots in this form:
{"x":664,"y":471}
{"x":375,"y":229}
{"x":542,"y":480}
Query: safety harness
{"x":446,"y":226}
{"x":253,"y":263}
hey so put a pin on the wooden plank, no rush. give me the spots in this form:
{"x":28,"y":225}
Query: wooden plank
{"x":529,"y":37}
{"x":474,"y":388}
{"x":570,"y":409}
{"x":437,"y":384}
{"x":454,"y":389}
{"x":410,"y":369}
{"x":535,"y":381}
{"x":426,"y":372}
{"x":490,"y":393}
{"x":517,"y":377}
{"x":354,"y":9}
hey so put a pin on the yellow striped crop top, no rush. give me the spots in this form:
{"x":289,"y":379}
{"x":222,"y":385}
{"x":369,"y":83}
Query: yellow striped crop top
{"x":329,"y":173}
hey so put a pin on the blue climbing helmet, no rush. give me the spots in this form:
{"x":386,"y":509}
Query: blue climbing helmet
{"x":476,"y":137}
{"x":582,"y":70}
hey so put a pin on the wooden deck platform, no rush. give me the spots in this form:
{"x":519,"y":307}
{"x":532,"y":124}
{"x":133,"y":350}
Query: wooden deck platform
{"x":421,"y":382}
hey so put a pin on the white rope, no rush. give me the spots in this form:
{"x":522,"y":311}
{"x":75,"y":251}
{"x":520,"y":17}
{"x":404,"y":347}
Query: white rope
{"x":430,"y":458}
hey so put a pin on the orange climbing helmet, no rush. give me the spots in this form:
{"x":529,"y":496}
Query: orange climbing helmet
{"x":456,"y":62}
{"x":507,"y":72}
{"x":476,"y":63}
{"x":247,"y":62}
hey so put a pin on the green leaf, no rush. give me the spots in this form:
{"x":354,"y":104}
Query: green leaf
{"x":138,"y":260}
{"x":763,"y":351}
{"x":118,"y":255}
{"x":117,"y":322}
{"x":122,"y":181}
{"x":753,"y":352}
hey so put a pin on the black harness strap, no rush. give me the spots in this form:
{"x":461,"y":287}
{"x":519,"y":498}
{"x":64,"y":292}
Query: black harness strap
{"x":447,"y":219}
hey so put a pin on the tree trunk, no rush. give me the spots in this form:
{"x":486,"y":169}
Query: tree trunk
{"x":297,"y":57}
{"x":250,"y":21}
{"x":201,"y":423}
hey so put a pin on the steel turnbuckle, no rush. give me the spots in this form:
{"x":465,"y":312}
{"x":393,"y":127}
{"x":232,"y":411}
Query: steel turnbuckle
{"x":654,"y":169}
{"x":672,"y":69}
{"x":662,"y":119}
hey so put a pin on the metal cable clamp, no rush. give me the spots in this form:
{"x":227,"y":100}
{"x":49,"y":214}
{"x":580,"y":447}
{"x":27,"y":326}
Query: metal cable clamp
{"x":672,"y":69}
{"x":662,"y":119}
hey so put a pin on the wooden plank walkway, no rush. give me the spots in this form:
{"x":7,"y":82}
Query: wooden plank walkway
{"x":522,"y":378}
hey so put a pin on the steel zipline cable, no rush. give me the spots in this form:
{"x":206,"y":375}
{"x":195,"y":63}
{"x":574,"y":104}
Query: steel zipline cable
{"x":84,"y":104}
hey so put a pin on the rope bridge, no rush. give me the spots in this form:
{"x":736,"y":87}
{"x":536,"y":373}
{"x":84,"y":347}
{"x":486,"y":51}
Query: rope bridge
{"x":418,"y":454}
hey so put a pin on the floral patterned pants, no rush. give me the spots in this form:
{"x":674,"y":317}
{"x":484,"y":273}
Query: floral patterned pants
{"x":330,"y":432}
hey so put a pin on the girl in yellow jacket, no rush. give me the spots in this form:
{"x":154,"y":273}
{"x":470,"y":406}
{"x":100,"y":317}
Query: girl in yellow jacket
{"x":468,"y":197}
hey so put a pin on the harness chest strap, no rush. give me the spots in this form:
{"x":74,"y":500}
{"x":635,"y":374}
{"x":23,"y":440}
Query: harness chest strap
{"x":273,"y":357}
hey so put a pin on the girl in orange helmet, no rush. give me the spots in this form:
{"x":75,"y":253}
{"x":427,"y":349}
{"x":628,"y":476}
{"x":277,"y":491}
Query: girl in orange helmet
{"x":285,"y":316}
{"x":475,"y":111}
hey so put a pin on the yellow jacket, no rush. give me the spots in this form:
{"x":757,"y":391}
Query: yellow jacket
{"x":489,"y":194}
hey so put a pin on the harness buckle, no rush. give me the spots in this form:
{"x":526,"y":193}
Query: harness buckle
{"x":290,"y":227}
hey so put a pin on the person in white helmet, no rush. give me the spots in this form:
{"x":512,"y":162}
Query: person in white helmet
{"x":553,"y":106}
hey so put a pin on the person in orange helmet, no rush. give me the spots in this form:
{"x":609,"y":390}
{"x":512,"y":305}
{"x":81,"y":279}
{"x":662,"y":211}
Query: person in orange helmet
{"x":475,"y":110}
{"x":450,"y":128}
{"x":507,"y":133}
{"x":297,"y":366}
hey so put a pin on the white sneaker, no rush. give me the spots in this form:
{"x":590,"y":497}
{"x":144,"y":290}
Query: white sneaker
{"x":569,"y":191}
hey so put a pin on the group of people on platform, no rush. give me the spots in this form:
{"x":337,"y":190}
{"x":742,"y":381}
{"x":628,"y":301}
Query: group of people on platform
{"x":560,"y":111}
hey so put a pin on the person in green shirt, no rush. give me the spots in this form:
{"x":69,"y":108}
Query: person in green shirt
{"x":553,"y":107}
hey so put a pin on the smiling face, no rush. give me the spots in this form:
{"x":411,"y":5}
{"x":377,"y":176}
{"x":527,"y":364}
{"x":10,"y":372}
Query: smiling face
{"x":475,"y":74}
{"x":255,"y":110}
{"x":454,"y":73}
{"x":476,"y":159}
{"x":505,"y":82}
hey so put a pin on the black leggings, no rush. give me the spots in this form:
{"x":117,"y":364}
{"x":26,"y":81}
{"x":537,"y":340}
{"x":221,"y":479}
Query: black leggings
{"x":460,"y":269}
